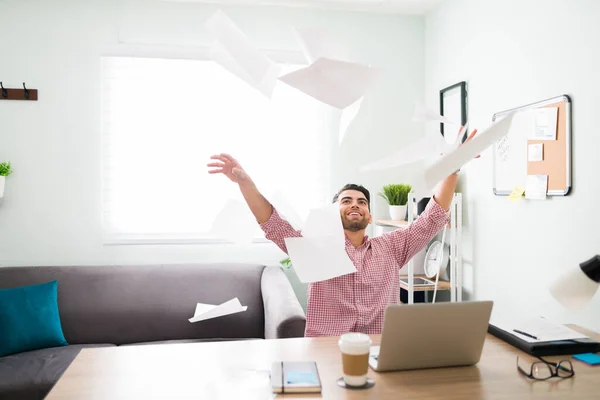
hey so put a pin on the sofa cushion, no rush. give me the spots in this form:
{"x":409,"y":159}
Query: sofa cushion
{"x":29,"y":319}
{"x":32,"y":374}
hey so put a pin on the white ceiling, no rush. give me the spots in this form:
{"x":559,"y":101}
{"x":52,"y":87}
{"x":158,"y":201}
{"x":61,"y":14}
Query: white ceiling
{"x":413,"y":7}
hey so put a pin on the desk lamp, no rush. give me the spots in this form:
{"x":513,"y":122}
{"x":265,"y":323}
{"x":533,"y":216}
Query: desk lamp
{"x":577,"y":286}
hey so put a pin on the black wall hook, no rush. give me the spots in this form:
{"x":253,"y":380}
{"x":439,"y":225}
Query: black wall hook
{"x":26,"y":91}
{"x":4,"y":92}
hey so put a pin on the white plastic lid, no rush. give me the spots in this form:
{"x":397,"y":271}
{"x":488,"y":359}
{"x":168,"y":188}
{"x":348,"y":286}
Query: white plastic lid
{"x":355,"y":343}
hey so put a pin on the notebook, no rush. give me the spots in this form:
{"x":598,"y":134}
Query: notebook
{"x":295,"y":377}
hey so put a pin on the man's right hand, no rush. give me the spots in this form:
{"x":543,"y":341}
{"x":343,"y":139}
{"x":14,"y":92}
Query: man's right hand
{"x":228,"y":166}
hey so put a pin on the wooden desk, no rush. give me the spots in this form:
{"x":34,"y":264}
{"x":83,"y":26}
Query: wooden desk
{"x":179,"y":372}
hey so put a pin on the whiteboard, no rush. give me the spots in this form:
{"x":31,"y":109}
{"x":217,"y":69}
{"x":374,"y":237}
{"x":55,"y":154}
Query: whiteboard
{"x":510,"y":166}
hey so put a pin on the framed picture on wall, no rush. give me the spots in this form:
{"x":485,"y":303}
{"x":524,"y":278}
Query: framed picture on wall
{"x":453,"y":105}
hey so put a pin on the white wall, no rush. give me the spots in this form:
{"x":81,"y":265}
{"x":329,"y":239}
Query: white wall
{"x":51,"y":214}
{"x":512,"y":53}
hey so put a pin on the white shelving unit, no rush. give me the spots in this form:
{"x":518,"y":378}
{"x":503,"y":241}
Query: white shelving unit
{"x":455,"y":234}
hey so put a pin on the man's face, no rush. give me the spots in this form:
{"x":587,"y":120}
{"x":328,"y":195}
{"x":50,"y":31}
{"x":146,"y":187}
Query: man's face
{"x":354,"y":210}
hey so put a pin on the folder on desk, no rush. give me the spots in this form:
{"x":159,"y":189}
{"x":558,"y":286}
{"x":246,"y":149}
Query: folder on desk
{"x":539,"y":337}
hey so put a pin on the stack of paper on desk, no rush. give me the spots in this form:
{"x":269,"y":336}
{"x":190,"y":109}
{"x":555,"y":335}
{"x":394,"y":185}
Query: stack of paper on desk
{"x":536,"y":329}
{"x":321,"y":253}
{"x":208,"y":311}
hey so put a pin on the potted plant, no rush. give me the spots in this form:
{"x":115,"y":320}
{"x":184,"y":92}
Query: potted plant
{"x":396,"y":196}
{"x":5,"y":170}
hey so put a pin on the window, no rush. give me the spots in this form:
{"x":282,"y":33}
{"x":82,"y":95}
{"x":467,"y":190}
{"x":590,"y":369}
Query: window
{"x":161,"y":121}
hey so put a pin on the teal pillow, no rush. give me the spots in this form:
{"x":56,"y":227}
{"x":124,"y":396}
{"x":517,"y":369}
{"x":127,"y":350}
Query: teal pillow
{"x":29,"y":319}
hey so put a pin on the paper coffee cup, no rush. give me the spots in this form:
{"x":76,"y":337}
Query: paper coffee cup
{"x":355,"y":357}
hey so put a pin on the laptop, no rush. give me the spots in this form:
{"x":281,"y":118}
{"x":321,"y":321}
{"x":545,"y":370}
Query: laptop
{"x":431,"y":335}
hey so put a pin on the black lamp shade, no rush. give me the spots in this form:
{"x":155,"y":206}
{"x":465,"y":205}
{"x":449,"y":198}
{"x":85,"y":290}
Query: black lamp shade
{"x":591,"y":268}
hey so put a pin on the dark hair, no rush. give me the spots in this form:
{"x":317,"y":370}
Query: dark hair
{"x":352,"y":186}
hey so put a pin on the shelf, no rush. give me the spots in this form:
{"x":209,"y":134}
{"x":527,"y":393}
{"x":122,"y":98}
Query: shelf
{"x":397,"y":223}
{"x":442,"y":284}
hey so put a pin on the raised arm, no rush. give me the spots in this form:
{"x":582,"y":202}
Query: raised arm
{"x":408,"y":242}
{"x":231,"y":168}
{"x":276,"y":228}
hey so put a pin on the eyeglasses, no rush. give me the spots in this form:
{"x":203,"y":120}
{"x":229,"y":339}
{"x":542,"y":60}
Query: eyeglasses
{"x":542,"y":370}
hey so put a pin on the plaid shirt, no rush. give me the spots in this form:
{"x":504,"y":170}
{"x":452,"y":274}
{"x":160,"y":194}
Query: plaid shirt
{"x":356,"y":302}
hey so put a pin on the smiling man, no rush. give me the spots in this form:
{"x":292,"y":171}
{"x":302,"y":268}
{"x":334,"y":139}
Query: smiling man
{"x":354,"y":302}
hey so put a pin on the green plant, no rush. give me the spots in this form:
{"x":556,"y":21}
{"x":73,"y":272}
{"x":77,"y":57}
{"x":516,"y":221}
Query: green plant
{"x":286,"y":262}
{"x":396,"y":194}
{"x":5,"y":169}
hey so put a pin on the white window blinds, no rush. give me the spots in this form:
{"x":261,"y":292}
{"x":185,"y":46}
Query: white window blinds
{"x":161,"y":121}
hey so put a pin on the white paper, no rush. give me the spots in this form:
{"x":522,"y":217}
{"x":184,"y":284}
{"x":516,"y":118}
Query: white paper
{"x":266,"y":86}
{"x":423,"y":114}
{"x":535,"y":152}
{"x":454,"y":160}
{"x":333,"y":82}
{"x":545,"y":123}
{"x":318,"y":258}
{"x":325,"y":222}
{"x":236,"y":53}
{"x":282,"y":204}
{"x":348,"y":115}
{"x":209,"y":311}
{"x":235,"y":223}
{"x":320,"y":253}
{"x":541,"y":328}
{"x":536,"y":187}
{"x":430,"y":146}
{"x":317,"y":44}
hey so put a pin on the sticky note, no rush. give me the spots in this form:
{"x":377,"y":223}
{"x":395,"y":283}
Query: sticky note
{"x":535,"y":152}
{"x":588,"y":358}
{"x":517,"y":194}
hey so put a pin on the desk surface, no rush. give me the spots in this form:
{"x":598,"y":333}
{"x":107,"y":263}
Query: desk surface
{"x":180,"y":372}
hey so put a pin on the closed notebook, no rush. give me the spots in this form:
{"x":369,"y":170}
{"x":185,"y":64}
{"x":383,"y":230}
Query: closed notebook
{"x":295,"y":377}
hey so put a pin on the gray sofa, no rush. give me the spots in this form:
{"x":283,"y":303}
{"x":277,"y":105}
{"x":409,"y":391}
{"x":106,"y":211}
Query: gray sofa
{"x":125,"y":305}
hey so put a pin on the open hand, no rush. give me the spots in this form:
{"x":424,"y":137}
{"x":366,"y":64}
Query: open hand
{"x":471,"y":135}
{"x":228,"y":166}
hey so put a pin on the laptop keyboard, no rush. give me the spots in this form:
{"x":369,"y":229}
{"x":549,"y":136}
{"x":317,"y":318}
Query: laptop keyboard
{"x":374,"y":352}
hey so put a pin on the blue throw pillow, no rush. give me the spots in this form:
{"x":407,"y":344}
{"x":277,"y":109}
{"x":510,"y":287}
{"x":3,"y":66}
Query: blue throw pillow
{"x":29,"y":319}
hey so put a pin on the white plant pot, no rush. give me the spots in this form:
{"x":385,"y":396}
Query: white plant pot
{"x":2,"y":181}
{"x":397,"y":212}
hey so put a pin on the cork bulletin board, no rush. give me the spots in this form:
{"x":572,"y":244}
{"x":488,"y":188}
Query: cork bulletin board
{"x":511,"y":165}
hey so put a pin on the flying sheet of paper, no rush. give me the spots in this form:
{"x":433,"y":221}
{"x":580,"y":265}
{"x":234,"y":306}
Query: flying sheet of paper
{"x":535,"y":152}
{"x":454,"y":160}
{"x":317,"y":44}
{"x":282,"y":204}
{"x":325,"y":221}
{"x":423,"y":114}
{"x":208,"y":311}
{"x":430,"y":146}
{"x":536,"y":187}
{"x":516,"y":194}
{"x":318,"y":258}
{"x":236,"y":53}
{"x":333,"y":82}
{"x":545,"y":123}
{"x":235,"y":223}
{"x":541,"y":328}
{"x":348,"y":115}
{"x":320,"y":253}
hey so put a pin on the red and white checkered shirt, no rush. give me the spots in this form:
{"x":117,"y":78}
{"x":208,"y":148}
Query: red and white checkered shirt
{"x":356,"y":302}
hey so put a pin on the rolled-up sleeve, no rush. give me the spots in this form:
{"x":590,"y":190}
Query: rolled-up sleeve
{"x":409,"y":241}
{"x":277,"y":229}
